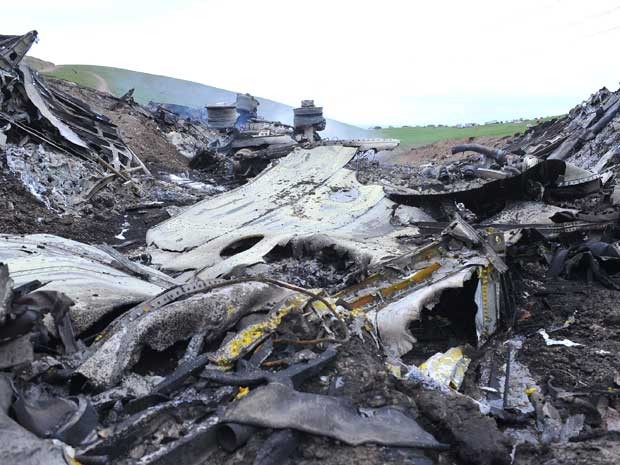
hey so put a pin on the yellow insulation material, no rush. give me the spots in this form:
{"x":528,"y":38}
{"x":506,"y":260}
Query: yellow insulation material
{"x":447,"y":368}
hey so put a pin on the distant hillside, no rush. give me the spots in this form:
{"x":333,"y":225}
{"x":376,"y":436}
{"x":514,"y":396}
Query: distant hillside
{"x":164,"y":89}
{"x":38,"y":64}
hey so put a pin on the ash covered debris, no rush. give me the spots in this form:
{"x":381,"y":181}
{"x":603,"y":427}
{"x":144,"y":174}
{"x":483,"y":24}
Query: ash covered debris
{"x":71,"y":158}
{"x":236,"y":136}
{"x":330,"y":309}
{"x":31,"y":108}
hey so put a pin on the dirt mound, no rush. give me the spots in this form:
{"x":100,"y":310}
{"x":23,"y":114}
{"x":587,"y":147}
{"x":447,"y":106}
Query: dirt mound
{"x":438,"y":152}
{"x":137,"y":128}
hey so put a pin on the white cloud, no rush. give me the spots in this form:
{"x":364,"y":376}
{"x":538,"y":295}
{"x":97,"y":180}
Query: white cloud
{"x":364,"y":61}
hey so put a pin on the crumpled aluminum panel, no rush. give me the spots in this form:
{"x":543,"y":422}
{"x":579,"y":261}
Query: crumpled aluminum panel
{"x":89,"y":132}
{"x":14,"y":48}
{"x":307,"y":193}
{"x":93,"y":279}
{"x":36,"y":97}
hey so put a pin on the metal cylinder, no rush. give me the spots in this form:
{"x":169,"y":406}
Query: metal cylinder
{"x":221,"y":116}
{"x":231,"y":436}
{"x":308,"y":115}
{"x":498,"y":155}
{"x":247,"y":103}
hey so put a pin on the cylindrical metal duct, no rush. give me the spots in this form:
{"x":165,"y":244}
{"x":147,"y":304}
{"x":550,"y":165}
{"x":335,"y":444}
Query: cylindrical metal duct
{"x":308,"y":115}
{"x":247,"y":103}
{"x":221,"y":116}
{"x":498,"y":155}
{"x":231,"y":436}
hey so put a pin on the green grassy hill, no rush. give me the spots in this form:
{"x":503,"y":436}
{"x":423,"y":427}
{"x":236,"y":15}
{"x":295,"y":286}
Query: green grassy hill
{"x":171,"y":90}
{"x":82,"y":77}
{"x":38,"y":64}
{"x":417,"y":136}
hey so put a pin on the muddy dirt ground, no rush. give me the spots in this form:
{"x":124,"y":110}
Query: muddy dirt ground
{"x":439,"y":152}
{"x":101,"y":222}
{"x":139,"y":132}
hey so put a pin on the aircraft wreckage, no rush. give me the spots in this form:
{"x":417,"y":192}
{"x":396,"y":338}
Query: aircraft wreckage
{"x":252,"y":295}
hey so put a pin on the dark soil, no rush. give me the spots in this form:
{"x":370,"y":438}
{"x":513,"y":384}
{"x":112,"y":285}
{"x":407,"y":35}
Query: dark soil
{"x":587,"y":314}
{"x":596,"y":326}
{"x":439,"y":152}
{"x":22,"y":213}
{"x":363,"y":379}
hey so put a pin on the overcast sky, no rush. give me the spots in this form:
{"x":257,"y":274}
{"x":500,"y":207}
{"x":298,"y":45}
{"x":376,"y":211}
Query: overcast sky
{"x":367,"y":62}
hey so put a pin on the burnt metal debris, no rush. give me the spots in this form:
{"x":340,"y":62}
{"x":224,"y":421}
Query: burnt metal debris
{"x":329,"y":303}
{"x":30,"y":108}
{"x":235,"y":134}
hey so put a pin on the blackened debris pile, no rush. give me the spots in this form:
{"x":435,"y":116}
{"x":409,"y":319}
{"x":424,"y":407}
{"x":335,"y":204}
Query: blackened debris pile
{"x":588,"y":137}
{"x":330,"y":310}
{"x":235,"y":135}
{"x":29,"y":108}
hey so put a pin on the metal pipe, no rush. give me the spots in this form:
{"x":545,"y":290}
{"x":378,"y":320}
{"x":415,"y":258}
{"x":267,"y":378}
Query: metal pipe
{"x":507,"y":381}
{"x":231,"y":436}
{"x":498,"y":155}
{"x":221,"y":116}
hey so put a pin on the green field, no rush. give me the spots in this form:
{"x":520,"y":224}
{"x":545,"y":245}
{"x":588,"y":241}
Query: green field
{"x":417,"y":136}
{"x":74,"y":74}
